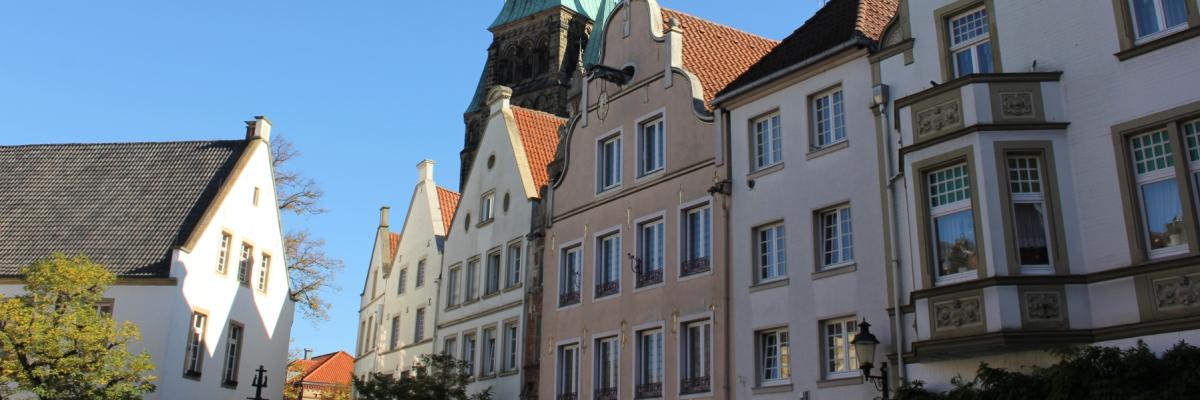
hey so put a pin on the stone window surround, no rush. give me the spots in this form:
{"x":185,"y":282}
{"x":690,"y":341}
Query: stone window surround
{"x":599,"y":236}
{"x":963,"y":155}
{"x":812,"y":119}
{"x":1055,"y":231}
{"x":682,"y":211}
{"x":618,"y":135}
{"x":1126,"y":36}
{"x":942,"y":19}
{"x":519,"y":244}
{"x":658,"y":116}
{"x":574,"y":245}
{"x":1170,"y":121}
{"x":852,"y":376}
{"x":759,"y":383}
{"x":751,"y":159}
{"x":818,"y":236}
{"x":755,"y":278}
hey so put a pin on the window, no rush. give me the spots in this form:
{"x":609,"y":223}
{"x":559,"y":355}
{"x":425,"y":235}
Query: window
{"x":773,"y":357}
{"x":254,"y":200}
{"x":374,"y":284}
{"x":608,"y":164}
{"x":264,"y":271}
{"x":840,"y":360}
{"x":568,"y":372}
{"x":569,"y":284}
{"x":394,"y":341}
{"x":1027,"y":193}
{"x":650,"y":147}
{"x":607,"y":368}
{"x":468,"y":353}
{"x":362,"y":335}
{"x":649,"y":263}
{"x":970,"y":44}
{"x":514,"y":264}
{"x":953,"y":222}
{"x":511,"y":347}
{"x":837,"y":243}
{"x":223,"y":252}
{"x":401,"y":279}
{"x":452,"y":286}
{"x":1155,"y":18}
{"x":829,"y":122}
{"x":696,"y":358}
{"x":419,"y":326}
{"x":448,"y":346}
{"x":472,"y":276}
{"x":1165,"y":230}
{"x":1191,"y":133}
{"x":649,"y":364}
{"x":608,"y":265}
{"x":371,"y":332}
{"x":492,"y":274}
{"x":421,"y":273}
{"x":193,"y":362}
{"x":233,"y":354}
{"x":105,"y":307}
{"x":771,"y":255}
{"x":489,"y":352}
{"x":697,"y":240}
{"x":245,"y":264}
{"x":767,"y":141}
{"x":487,"y":208}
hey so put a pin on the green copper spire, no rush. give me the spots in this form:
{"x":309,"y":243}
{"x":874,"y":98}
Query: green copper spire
{"x":517,"y":9}
{"x":591,"y":54}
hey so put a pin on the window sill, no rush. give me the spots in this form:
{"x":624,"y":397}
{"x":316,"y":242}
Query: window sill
{"x":512,"y":288}
{"x":482,"y":378}
{"x":510,"y":372}
{"x":767,"y":388}
{"x":837,"y":382}
{"x":1156,"y":44}
{"x":833,"y":148}
{"x":765,"y":171}
{"x":415,"y":344}
{"x":649,"y":287}
{"x":649,"y":175}
{"x":470,"y":302}
{"x":191,"y":375}
{"x":485,"y":222}
{"x":609,"y":191}
{"x":778,"y":283}
{"x":491,"y":294}
{"x":229,"y":384}
{"x":453,"y":307}
{"x":835,"y":271}
{"x":694,"y":275}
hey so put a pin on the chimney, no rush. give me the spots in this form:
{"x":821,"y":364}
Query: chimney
{"x":259,"y":128}
{"x":383,"y":216}
{"x":308,"y":353}
{"x":498,"y":98}
{"x":425,"y":170}
{"x":674,"y":48}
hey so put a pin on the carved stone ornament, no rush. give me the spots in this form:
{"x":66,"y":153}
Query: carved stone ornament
{"x":937,"y":118}
{"x":958,"y":313}
{"x":1043,"y":306}
{"x":1016,"y":104}
{"x":602,"y":110}
{"x":1177,"y":292}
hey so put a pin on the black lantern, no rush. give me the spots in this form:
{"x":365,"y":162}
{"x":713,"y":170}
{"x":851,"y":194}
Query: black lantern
{"x":864,"y":346}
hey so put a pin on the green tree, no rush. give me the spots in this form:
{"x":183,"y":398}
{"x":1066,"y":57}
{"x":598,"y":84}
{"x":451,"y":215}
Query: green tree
{"x":56,"y":344}
{"x":435,"y":377}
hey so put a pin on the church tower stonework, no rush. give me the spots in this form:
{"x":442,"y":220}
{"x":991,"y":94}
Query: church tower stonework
{"x":536,"y":50}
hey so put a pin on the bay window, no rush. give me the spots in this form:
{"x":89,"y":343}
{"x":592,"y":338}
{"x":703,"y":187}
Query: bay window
{"x":1164,"y":228}
{"x":953,"y":221}
{"x":1027,"y":192}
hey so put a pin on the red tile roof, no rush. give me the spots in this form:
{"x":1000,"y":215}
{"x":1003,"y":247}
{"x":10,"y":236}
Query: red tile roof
{"x":539,"y":136}
{"x":448,"y":201}
{"x":393,"y":245}
{"x":333,"y":369}
{"x":716,"y":53}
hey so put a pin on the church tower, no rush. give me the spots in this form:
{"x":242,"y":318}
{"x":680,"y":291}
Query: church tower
{"x":536,"y":49}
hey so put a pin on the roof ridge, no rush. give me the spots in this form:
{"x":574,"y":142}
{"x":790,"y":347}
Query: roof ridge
{"x":706,"y":20}
{"x":120,"y":143}
{"x":537,"y":112}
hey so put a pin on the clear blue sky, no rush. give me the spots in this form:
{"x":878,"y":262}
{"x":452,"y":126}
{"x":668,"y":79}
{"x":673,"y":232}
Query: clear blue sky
{"x":365,"y":89}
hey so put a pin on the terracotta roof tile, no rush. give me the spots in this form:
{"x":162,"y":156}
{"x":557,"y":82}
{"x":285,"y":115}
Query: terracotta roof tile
{"x":333,"y":368}
{"x":393,"y":245}
{"x":448,"y":201}
{"x":837,"y":22}
{"x":539,"y":136}
{"x":716,"y":53}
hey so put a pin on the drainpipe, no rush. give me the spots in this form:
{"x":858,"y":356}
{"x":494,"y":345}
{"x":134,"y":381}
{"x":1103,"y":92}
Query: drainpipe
{"x":723,"y":128}
{"x":893,"y":176}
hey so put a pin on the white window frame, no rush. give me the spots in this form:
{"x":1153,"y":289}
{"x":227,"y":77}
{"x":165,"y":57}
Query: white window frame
{"x":687,"y":338}
{"x":608,"y":261}
{"x":655,"y":360}
{"x":233,"y":353}
{"x":603,"y":169}
{"x":780,"y":369}
{"x":836,"y":240}
{"x":492,"y":272}
{"x":845,"y":328}
{"x":469,"y":347}
{"x":943,"y":210}
{"x":1030,"y":197}
{"x":514,"y":252}
{"x":657,"y":260}
{"x":452,"y":285}
{"x":770,"y":263}
{"x":971,"y":44}
{"x":245,"y":264}
{"x":487,"y":207}
{"x":1141,"y":180}
{"x":831,"y":131}
{"x":223,"y":253}
{"x":193,"y":360}
{"x":702,"y":207}
{"x":420,"y":275}
{"x":471,"y":280}
{"x":648,"y":164}
{"x":512,"y":344}
{"x":419,"y":325}
{"x":264,"y":271}
{"x":613,"y":369}
{"x":401,"y":280}
{"x":567,"y":375}
{"x":570,"y":266}
{"x":766,"y":141}
{"x":394,"y":337}
{"x":449,"y":345}
{"x":491,"y":342}
{"x":1160,"y":16}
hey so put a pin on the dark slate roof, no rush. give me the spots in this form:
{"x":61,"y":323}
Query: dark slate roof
{"x":124,"y":205}
{"x":837,"y":22}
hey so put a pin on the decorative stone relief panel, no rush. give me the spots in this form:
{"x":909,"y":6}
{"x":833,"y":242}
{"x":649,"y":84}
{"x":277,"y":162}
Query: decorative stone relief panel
{"x":1178,"y":292}
{"x":938,"y":118}
{"x":958,"y":313}
{"x":1016,"y":104}
{"x":1043,"y":306}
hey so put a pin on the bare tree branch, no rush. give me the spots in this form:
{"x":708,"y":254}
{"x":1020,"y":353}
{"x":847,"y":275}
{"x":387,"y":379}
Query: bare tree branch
{"x":310,"y":270}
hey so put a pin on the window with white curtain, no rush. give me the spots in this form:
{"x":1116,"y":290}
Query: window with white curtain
{"x":1164,"y":227}
{"x":649,"y":371}
{"x":1027,"y":191}
{"x":607,"y":367}
{"x":953,"y":223}
{"x":695,"y":357}
{"x":568,"y":372}
{"x":608,"y":265}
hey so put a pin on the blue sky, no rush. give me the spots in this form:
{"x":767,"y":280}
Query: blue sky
{"x":365,"y":90}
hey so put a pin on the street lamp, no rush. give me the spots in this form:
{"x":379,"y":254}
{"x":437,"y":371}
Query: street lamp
{"x":864,"y":346}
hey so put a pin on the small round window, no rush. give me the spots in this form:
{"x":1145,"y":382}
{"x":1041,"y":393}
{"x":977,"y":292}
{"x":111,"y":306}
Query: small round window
{"x":505,"y":202}
{"x":491,"y":161}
